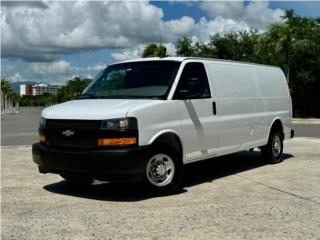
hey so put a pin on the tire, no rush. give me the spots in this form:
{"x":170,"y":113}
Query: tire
{"x":272,"y":152}
{"x":77,"y":180}
{"x":164,"y":171}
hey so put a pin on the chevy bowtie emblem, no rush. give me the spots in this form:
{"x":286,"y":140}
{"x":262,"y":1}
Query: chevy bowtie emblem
{"x":67,"y":133}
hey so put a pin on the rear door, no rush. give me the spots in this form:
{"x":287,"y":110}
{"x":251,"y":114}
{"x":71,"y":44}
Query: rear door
{"x":197,"y":112}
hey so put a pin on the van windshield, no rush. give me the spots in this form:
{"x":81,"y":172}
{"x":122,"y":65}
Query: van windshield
{"x":146,"y":79}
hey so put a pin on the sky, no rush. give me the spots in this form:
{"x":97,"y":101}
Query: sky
{"x":41,"y":39}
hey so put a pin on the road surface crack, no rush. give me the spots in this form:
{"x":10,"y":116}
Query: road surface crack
{"x":279,"y":190}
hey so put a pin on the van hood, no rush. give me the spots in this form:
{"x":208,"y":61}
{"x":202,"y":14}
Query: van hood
{"x":94,"y":109}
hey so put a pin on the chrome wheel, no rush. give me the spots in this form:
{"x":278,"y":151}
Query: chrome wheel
{"x":272,"y":152}
{"x":276,"y":146}
{"x":160,"y":170}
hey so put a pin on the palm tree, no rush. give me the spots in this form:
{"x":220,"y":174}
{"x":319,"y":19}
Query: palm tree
{"x":154,"y":50}
{"x":8,"y":95}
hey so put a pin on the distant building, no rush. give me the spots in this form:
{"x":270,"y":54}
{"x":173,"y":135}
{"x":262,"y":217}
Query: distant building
{"x":38,"y":89}
{"x":26,"y":89}
{"x":41,"y":88}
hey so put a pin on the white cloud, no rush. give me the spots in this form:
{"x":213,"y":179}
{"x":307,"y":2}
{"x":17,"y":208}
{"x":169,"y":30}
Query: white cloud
{"x":171,"y":51}
{"x":225,"y":9}
{"x":96,"y":68}
{"x":259,"y":15}
{"x":256,"y":14}
{"x":225,"y":16}
{"x":128,"y":53}
{"x":136,"y":52}
{"x":48,"y":72}
{"x":35,"y":33}
{"x":179,"y":28}
{"x":39,"y":31}
{"x":57,"y":67}
{"x":16,"y":77}
{"x":42,"y":31}
{"x":219,"y":24}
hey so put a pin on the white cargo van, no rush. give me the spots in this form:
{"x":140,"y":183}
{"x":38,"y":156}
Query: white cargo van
{"x":144,"y":119}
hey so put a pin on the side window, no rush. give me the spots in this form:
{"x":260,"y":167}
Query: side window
{"x":193,"y":83}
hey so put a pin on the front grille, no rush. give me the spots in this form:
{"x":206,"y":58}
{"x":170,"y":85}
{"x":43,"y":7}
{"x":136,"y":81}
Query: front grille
{"x":72,"y":133}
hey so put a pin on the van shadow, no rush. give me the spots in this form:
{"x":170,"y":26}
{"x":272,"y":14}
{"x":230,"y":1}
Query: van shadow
{"x":215,"y":168}
{"x":195,"y":173}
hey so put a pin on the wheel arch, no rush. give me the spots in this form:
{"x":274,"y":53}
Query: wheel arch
{"x":276,"y":125}
{"x":170,"y":138}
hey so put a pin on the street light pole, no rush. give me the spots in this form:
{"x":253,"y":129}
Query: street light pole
{"x":66,"y":68}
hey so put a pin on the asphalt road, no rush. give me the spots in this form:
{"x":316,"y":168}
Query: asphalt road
{"x":233,"y":197}
{"x":21,"y":128}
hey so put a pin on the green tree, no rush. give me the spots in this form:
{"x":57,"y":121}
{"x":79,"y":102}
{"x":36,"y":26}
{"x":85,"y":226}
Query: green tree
{"x":234,"y":46}
{"x":7,"y":91}
{"x":45,"y":99}
{"x":239,"y":46}
{"x":154,"y":50}
{"x":5,"y":86}
{"x":294,"y":45}
{"x":203,"y":50}
{"x":73,"y":89}
{"x":161,"y":51}
{"x":184,"y":47}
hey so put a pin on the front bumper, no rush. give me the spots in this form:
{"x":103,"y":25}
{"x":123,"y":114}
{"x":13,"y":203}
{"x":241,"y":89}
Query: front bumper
{"x":121,"y":164}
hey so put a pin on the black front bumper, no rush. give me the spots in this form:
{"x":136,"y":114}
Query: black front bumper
{"x":121,"y":164}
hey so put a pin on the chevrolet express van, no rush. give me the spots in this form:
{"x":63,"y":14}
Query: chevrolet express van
{"x":142,"y":120}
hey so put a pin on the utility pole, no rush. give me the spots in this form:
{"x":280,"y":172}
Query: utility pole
{"x":66,"y":68}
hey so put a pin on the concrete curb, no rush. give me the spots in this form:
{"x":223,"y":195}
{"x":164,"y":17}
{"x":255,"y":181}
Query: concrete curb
{"x":4,"y":115}
{"x":306,"y":120}
{"x":15,"y":147}
{"x":304,"y":138}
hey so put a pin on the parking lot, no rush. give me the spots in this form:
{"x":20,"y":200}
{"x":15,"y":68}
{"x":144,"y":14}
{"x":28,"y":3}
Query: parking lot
{"x":233,"y":197}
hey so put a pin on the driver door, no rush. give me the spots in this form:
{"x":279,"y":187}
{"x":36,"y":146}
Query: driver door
{"x":197,"y":111}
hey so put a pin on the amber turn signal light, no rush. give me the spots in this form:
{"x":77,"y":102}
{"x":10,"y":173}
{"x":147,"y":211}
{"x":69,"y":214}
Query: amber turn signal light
{"x":116,"y":141}
{"x":42,"y":138}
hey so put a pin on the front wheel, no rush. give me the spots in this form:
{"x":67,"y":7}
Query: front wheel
{"x":164,"y":171}
{"x":272,"y":152}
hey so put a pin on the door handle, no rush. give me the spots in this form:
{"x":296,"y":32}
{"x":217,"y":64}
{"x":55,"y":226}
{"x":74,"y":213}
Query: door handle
{"x":214,"y":108}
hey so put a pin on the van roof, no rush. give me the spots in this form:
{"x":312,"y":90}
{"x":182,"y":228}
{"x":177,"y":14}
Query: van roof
{"x":181,"y":59}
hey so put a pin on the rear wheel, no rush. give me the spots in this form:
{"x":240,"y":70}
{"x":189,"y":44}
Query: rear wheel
{"x":164,"y":171}
{"x":77,"y":180}
{"x":272,"y":152}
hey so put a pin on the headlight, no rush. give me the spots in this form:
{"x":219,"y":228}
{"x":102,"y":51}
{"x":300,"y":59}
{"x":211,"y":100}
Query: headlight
{"x":42,"y":123}
{"x":119,"y":124}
